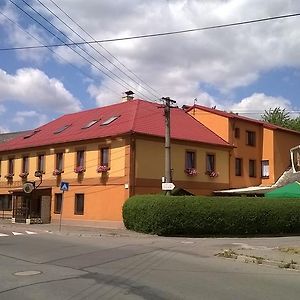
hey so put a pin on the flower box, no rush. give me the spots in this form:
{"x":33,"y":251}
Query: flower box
{"x":79,"y":169}
{"x":191,"y":172}
{"x":24,"y":174}
{"x":57,"y":172}
{"x":212,"y":174}
{"x":102,"y":169}
{"x":9,"y":176}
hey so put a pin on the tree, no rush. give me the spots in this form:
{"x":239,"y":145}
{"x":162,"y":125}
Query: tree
{"x":279,"y":116}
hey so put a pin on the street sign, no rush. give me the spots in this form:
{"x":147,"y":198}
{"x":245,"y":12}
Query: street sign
{"x":167,"y":186}
{"x":64,"y":186}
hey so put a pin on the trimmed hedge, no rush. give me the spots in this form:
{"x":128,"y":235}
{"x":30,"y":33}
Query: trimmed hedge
{"x":189,"y":215}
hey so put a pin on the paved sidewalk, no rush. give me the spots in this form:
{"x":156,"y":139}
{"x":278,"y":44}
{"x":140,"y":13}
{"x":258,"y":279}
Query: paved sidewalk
{"x":284,"y":253}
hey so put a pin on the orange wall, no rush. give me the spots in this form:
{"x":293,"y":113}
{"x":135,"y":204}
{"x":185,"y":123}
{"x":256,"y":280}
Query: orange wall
{"x":269,"y":154}
{"x":246,"y":152}
{"x":216,"y":123}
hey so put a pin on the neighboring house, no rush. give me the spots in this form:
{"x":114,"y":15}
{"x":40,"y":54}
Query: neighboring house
{"x":261,"y":150}
{"x":106,"y":155}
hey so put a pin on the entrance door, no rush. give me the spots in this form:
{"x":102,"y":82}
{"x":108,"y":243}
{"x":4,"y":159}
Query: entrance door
{"x":21,"y":209}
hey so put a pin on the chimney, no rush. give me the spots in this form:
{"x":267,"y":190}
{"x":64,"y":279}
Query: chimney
{"x":129,"y":95}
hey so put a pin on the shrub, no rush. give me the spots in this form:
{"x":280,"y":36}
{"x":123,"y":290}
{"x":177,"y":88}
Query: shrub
{"x":189,"y":215}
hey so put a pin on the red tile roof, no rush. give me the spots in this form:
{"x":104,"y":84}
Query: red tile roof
{"x":231,"y":115}
{"x":135,"y":116}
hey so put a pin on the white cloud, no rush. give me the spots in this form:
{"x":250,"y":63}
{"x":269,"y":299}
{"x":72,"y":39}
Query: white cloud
{"x":34,"y":118}
{"x":34,"y":88}
{"x":255,"y":105}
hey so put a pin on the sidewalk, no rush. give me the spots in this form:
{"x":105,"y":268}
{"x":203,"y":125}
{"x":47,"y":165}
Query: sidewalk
{"x":283,"y":254}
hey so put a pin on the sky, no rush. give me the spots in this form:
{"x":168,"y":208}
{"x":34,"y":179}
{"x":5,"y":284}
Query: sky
{"x":245,"y":69}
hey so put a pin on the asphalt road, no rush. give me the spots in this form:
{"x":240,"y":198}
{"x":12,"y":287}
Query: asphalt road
{"x":43,"y":265}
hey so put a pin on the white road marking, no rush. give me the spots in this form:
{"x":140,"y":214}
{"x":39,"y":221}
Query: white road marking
{"x":17,"y":233}
{"x":30,"y":232}
{"x":3,"y":234}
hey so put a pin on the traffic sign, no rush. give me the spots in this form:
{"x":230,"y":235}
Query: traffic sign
{"x":64,"y":186}
{"x":167,"y":186}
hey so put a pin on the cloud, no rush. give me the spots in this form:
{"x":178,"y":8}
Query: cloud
{"x":34,"y":118}
{"x":255,"y":105}
{"x":35,"y":89}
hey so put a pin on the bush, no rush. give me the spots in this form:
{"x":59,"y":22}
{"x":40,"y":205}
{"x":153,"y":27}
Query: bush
{"x":189,"y":215}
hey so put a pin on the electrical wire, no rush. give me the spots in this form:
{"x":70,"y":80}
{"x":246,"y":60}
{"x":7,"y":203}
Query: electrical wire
{"x":159,"y":34}
{"x":96,"y":50}
{"x":107,"y":51}
{"x":82,"y":56}
{"x":58,"y":55}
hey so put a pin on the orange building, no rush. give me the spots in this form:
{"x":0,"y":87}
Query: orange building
{"x":106,"y":155}
{"x":261,"y":150}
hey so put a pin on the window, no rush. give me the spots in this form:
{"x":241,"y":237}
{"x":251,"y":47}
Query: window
{"x":252,"y":168}
{"x":61,"y":129}
{"x":90,"y":124}
{"x":25,"y":164}
{"x":5,"y":202}
{"x":110,"y":120}
{"x":10,"y":166}
{"x":80,"y":158}
{"x":59,"y":161}
{"x":251,"y":137}
{"x":104,"y":159}
{"x":265,"y":169}
{"x":41,"y":163}
{"x":31,"y":133}
{"x":237,"y":132}
{"x":210,"y":163}
{"x":238,"y":166}
{"x":79,"y":204}
{"x":190,"y":160}
{"x":57,"y":203}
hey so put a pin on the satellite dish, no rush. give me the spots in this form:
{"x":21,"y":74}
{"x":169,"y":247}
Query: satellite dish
{"x":28,"y":187}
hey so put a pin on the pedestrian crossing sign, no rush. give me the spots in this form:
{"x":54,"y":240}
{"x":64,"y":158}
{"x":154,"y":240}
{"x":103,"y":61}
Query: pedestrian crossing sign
{"x":64,"y":186}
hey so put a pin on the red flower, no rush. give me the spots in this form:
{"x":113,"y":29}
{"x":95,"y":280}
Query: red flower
{"x":191,"y":172}
{"x":57,"y":172}
{"x":79,"y":169}
{"x":102,"y":169}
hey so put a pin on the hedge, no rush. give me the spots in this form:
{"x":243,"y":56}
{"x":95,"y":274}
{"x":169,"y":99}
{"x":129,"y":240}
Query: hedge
{"x":226,"y":216}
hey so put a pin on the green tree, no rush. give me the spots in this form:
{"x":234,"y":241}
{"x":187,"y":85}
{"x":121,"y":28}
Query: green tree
{"x":277,"y":116}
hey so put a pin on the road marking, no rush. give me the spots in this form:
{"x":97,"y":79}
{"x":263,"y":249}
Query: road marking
{"x":17,"y":233}
{"x":3,"y":234}
{"x":30,"y":232}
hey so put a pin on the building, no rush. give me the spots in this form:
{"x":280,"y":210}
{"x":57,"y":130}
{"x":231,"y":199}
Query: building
{"x":261,"y":152}
{"x":106,"y":155}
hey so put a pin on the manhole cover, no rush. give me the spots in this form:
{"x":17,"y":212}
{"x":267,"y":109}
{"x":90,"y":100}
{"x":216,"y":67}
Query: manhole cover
{"x":27,"y":273}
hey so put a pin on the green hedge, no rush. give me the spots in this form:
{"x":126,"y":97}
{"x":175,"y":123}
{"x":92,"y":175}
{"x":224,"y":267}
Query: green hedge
{"x":189,"y":215}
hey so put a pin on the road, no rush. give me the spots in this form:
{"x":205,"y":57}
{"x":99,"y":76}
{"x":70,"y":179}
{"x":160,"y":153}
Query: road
{"x":44,"y":265}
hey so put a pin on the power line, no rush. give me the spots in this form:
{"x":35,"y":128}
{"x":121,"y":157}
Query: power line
{"x":113,"y":56}
{"x":87,"y":60}
{"x":158,"y":34}
{"x":55,"y":53}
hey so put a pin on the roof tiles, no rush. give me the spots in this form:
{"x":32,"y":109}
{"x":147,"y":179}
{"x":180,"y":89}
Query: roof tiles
{"x":137,"y":116}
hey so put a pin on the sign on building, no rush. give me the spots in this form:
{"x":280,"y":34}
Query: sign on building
{"x":64,"y":186}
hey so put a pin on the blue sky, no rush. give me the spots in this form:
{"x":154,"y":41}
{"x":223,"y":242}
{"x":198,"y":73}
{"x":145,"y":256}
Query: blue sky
{"x":245,"y":69}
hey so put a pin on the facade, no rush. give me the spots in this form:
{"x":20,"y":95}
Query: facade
{"x":261,"y":150}
{"x":106,"y":155}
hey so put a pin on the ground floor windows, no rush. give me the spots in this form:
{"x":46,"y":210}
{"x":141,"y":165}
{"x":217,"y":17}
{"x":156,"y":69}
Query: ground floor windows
{"x":57,"y":203}
{"x":79,"y":204}
{"x":5,"y":202}
{"x":238,"y":166}
{"x":252,"y":168}
{"x":265,"y":169}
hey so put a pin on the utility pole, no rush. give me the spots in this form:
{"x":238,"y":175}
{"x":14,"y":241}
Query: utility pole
{"x":168,"y":171}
